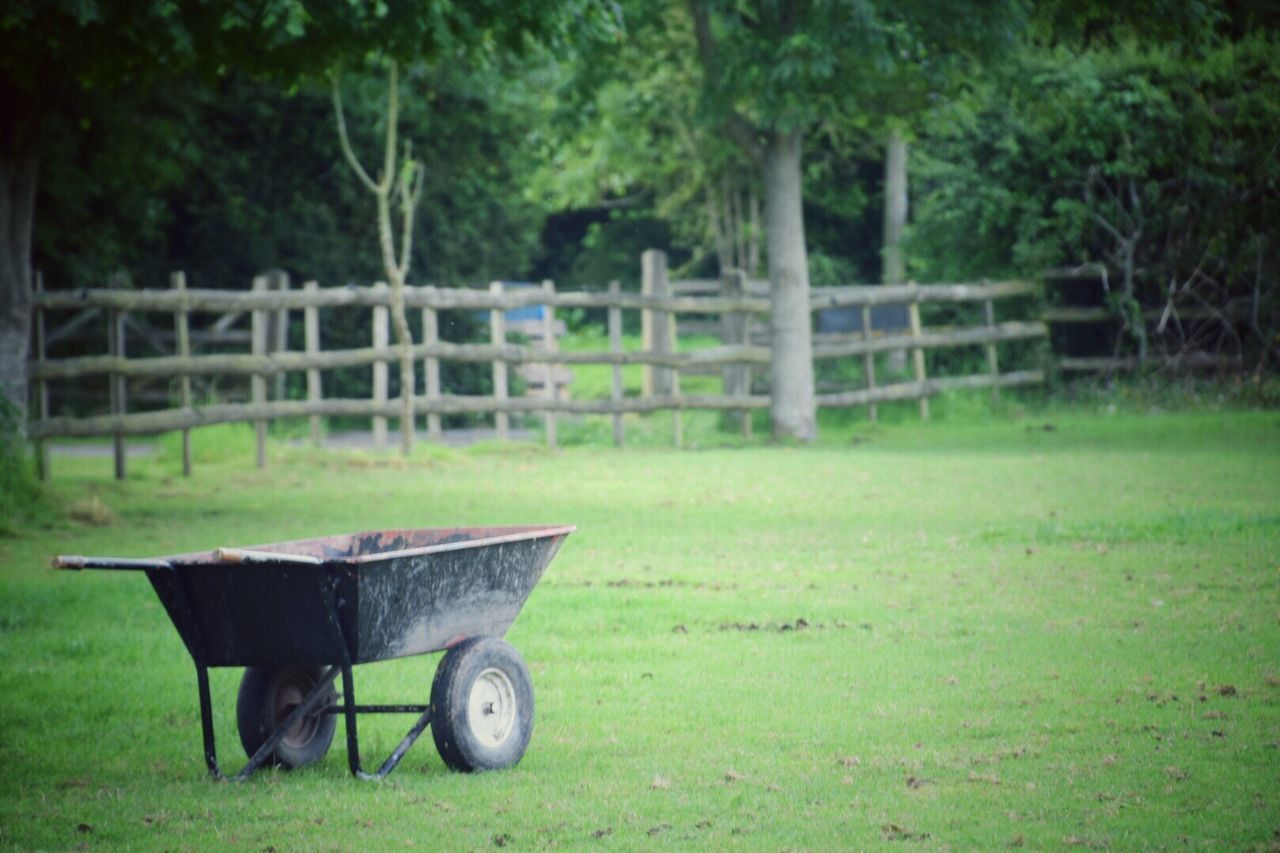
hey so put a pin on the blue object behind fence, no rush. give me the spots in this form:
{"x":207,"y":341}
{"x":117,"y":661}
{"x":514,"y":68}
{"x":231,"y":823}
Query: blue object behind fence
{"x":528,"y":312}
{"x":884,"y":318}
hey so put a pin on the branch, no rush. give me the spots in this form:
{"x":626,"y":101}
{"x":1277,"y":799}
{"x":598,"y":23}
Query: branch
{"x":387,"y":183}
{"x":627,"y":202}
{"x":738,"y":128}
{"x":1094,"y":179}
{"x":753,"y":247}
{"x":739,"y":231}
{"x":420,"y":174}
{"x":408,"y":203}
{"x":346,"y":143}
{"x":1267,"y":341}
{"x":717,"y":229}
{"x":744,"y":133}
{"x":702,"y":32}
{"x":1169,"y":310}
{"x":393,"y":118}
{"x":1135,"y":202}
{"x":1111,"y":229}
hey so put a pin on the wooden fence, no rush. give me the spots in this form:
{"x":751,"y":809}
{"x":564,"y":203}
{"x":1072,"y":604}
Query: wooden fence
{"x":1182,"y":332}
{"x":736,"y":357}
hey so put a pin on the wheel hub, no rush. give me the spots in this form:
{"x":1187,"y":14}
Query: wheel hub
{"x":300,"y":734}
{"x":491,"y":707}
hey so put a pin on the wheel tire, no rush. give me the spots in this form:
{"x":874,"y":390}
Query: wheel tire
{"x":482,"y":706}
{"x":267,"y":696}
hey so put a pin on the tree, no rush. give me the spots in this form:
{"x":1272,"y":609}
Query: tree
{"x":1150,"y":156}
{"x":56,"y":54}
{"x":776,"y":71}
{"x":167,"y":179}
{"x":893,"y":264}
{"x":624,"y":136}
{"x":399,"y":181}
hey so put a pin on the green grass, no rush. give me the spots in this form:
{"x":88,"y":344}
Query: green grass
{"x":971,"y":634}
{"x":595,"y":381}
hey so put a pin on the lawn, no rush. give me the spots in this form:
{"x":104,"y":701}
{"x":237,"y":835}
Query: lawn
{"x":1010,"y":631}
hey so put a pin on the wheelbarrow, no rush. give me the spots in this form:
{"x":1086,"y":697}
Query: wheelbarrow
{"x":297,"y":615}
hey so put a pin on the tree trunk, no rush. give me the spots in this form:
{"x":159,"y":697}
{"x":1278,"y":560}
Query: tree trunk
{"x":19,"y":161}
{"x":793,"y":407}
{"x":893,"y":266}
{"x":404,"y":340}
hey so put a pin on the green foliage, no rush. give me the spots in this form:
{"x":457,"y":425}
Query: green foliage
{"x":828,"y":270}
{"x":641,"y":124}
{"x":210,"y":445}
{"x":843,"y":206}
{"x":98,"y":43}
{"x":107,"y":175}
{"x":23,"y":500}
{"x":795,"y":66}
{"x":1155,"y":158}
{"x":623,"y":134}
{"x":1157,"y":394}
{"x":151,"y":178}
{"x":650,"y":115}
{"x":248,"y":166}
{"x":611,"y":251}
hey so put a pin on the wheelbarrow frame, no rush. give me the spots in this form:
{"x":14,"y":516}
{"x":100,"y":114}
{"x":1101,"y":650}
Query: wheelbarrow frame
{"x":345,"y":636}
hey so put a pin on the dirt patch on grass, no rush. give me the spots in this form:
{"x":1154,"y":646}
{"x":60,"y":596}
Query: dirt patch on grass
{"x":800,"y":624}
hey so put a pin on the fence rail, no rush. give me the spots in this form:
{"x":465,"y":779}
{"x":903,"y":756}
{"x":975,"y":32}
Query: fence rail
{"x":268,"y":307}
{"x":291,"y":362}
{"x":445,"y":299}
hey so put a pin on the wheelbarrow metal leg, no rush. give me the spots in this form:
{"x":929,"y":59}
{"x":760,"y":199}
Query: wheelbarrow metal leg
{"x":334,"y":604}
{"x":309,"y":705}
{"x":414,"y":733}
{"x":349,"y":716}
{"x":206,"y":722}
{"x":349,"y":709}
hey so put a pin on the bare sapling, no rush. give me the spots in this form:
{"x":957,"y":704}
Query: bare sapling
{"x":399,"y":182}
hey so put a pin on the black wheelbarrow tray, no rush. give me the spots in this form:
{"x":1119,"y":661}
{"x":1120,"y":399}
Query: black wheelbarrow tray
{"x":299,"y":614}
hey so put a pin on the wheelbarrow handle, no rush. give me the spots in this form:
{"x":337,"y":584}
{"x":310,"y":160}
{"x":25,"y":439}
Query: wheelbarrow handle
{"x":248,"y":555}
{"x":73,"y":562}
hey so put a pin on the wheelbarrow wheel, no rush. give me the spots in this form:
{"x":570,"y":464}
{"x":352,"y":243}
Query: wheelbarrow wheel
{"x":267,"y":696}
{"x":482,"y":706}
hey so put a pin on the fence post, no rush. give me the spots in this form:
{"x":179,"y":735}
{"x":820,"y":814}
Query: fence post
{"x":869,"y":362}
{"x":917,"y":352}
{"x":615,"y":347}
{"x":431,"y":367}
{"x":311,"y":335}
{"x":677,"y":415}
{"x":42,"y":385}
{"x":119,"y":385}
{"x":498,"y":337}
{"x":279,"y":329}
{"x":733,"y":332}
{"x":182,"y":331}
{"x":668,"y":321}
{"x":993,"y":362}
{"x":656,"y":326}
{"x":258,"y":383}
{"x":381,"y":340}
{"x":549,"y":341}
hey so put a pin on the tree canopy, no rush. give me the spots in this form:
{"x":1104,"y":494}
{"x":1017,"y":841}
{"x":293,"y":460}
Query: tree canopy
{"x":1152,"y":160}
{"x":560,"y":139}
{"x":58,"y":58}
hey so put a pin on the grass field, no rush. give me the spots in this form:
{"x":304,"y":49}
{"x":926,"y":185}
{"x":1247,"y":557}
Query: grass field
{"x":1008,"y":632}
